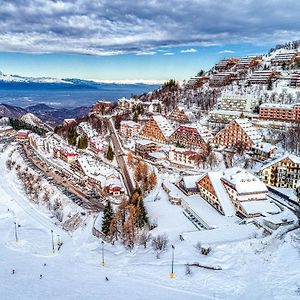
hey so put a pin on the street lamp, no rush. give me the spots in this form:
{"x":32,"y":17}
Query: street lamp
{"x":102,"y":253}
{"x":52,"y":240}
{"x":16,"y":232}
{"x":172,"y":269}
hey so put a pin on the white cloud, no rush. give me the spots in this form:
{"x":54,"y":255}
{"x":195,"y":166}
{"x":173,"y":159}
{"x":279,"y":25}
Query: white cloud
{"x":146,"y":53}
{"x":168,"y":53}
{"x":226,"y":51}
{"x":121,"y":26}
{"x":190,"y":50}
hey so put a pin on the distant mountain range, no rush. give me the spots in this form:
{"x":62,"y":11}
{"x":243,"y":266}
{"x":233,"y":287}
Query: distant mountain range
{"x":48,"y":114}
{"x":16,"y":82}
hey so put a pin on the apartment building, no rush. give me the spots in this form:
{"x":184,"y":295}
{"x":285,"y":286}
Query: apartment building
{"x":157,"y":129}
{"x":263,"y":77}
{"x":222,"y":79}
{"x":280,"y":112}
{"x":234,"y":102}
{"x":129,"y":129}
{"x":190,"y":135}
{"x":283,"y":172}
{"x":226,"y":64}
{"x":238,"y":132}
{"x":181,"y":156}
{"x":178,"y":114}
{"x":285,"y":58}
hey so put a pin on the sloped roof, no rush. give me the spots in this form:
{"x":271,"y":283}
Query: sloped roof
{"x":295,"y":159}
{"x":164,"y":125}
{"x":243,"y":181}
{"x":249,"y":129}
{"x":222,"y":195}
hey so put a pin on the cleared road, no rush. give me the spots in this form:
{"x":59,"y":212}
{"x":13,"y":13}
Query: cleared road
{"x":120,"y":159}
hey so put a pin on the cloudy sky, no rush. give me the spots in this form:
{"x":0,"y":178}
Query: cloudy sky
{"x":151,"y":39}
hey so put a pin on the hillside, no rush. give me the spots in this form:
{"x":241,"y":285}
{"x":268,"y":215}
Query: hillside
{"x":271,"y":77}
{"x":11,"y":111}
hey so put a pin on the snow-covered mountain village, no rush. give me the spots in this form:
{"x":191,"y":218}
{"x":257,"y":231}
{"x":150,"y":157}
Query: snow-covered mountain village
{"x":191,"y":191}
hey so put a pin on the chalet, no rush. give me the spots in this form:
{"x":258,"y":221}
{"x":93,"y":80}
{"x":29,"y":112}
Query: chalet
{"x":191,"y":136}
{"x":263,"y":77}
{"x":226,"y":64}
{"x":282,"y":172}
{"x":238,"y":132}
{"x":222,"y":79}
{"x":144,"y":147}
{"x":157,"y":156}
{"x":23,"y":134}
{"x":284,"y":58}
{"x":157,"y":129}
{"x":129,"y":129}
{"x":263,"y":151}
{"x":178,"y":114}
{"x":236,"y":191}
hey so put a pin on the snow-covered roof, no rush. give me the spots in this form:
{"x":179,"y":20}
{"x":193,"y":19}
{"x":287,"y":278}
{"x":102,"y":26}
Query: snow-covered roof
{"x":190,"y":181}
{"x":260,"y":207}
{"x":279,"y":105}
{"x":164,"y":125}
{"x":103,"y":174}
{"x":243,"y":181}
{"x":295,"y":159}
{"x":222,"y":195}
{"x":158,"y":155}
{"x":205,"y":134}
{"x":144,"y":142}
{"x":130,"y":124}
{"x":249,"y":129}
{"x":264,"y":147}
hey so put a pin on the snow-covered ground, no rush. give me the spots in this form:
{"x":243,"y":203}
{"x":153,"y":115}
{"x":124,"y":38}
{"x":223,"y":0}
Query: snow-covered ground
{"x":256,"y":268}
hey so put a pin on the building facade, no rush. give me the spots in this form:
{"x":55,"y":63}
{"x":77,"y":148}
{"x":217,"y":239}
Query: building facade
{"x":238,"y":132}
{"x":280,"y":112}
{"x":129,"y":129}
{"x":194,"y":136}
{"x":283,"y":172}
{"x":157,"y":129}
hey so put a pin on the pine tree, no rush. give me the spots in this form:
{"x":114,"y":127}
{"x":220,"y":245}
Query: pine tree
{"x":108,"y":214}
{"x":82,"y":142}
{"x":142,"y":218}
{"x":72,"y":136}
{"x":110,"y":153}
